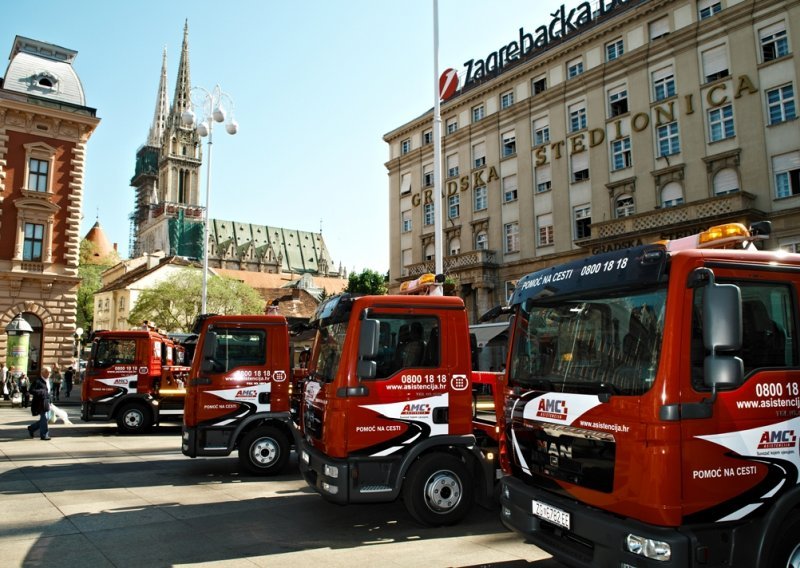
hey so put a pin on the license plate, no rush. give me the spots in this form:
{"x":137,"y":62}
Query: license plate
{"x":551,"y":514}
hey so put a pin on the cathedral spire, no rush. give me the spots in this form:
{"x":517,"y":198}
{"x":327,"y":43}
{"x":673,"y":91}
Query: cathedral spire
{"x":183,"y":84}
{"x":160,"y":115}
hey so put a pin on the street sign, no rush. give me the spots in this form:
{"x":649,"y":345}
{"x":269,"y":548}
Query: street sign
{"x":448,"y":84}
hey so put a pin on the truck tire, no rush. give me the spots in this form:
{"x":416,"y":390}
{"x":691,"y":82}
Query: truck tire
{"x":134,"y":418}
{"x":787,"y":549}
{"x":439,"y":490}
{"x":264,"y":451}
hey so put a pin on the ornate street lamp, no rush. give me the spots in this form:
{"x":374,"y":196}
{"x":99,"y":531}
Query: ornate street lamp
{"x":215,"y":106}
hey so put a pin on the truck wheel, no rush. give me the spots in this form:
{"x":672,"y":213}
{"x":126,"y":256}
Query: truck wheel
{"x":439,"y":490}
{"x":787,"y":549}
{"x":264,"y":451}
{"x":134,"y":419}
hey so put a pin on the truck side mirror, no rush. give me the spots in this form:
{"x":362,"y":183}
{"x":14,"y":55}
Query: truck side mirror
{"x":209,"y":350}
{"x":368,"y":348}
{"x":722,"y":334}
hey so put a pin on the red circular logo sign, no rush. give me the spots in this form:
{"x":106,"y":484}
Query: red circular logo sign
{"x":448,"y":84}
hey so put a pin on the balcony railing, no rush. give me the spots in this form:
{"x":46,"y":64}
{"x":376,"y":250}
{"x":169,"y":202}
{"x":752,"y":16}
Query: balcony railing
{"x":661,"y":220}
{"x":454,"y":263}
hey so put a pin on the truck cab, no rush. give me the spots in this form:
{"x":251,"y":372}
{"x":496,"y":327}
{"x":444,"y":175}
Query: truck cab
{"x":239,"y":393}
{"x":652,"y":406}
{"x":135,"y":377}
{"x":388,"y":407}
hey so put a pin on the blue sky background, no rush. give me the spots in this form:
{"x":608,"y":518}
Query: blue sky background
{"x":316,"y":84}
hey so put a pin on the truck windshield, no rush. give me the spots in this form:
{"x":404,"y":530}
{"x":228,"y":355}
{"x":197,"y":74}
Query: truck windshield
{"x":330,"y":339}
{"x":590,"y":345}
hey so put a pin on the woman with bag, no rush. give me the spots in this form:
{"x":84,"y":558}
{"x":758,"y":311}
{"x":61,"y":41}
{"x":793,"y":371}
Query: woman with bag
{"x":56,"y":378}
{"x":41,"y":404}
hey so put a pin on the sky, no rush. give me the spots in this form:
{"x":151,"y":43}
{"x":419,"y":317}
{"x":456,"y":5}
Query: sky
{"x":315,"y":85}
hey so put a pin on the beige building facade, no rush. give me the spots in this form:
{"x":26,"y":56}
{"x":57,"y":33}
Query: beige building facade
{"x":611,"y":125}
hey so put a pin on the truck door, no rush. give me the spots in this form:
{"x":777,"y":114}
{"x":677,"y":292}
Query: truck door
{"x":744,"y":455}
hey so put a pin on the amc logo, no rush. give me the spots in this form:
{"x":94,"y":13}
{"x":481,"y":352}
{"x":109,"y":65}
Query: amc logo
{"x":247,"y":393}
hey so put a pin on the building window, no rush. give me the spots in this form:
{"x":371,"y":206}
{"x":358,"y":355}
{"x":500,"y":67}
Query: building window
{"x":481,"y":198}
{"x":539,"y":85}
{"x":774,"y":43}
{"x":544,"y":230}
{"x":720,"y":123}
{"x":511,"y":231}
{"x":780,"y":104}
{"x":507,"y":99}
{"x":453,"y":206}
{"x":659,"y":28}
{"x":407,"y":222}
{"x":726,"y":181}
{"x":574,"y":68}
{"x":577,"y":117}
{"x":582,"y":216}
{"x":455,"y":246}
{"x":790,"y":244}
{"x":405,"y":184}
{"x":707,"y":8}
{"x":617,"y":102}
{"x":38,"y":171}
{"x":478,"y":113}
{"x":787,"y":174}
{"x":427,"y":137}
{"x":509,"y":144}
{"x":543,"y":179}
{"x":481,"y":241}
{"x":452,"y":125}
{"x":672,"y":195}
{"x":580,"y":166}
{"x":32,"y":245}
{"x":510,"y":188}
{"x":479,"y":155}
{"x":621,"y":154}
{"x":122,"y":304}
{"x":430,"y":251}
{"x":715,"y":63}
{"x":614,"y":50}
{"x":624,"y":206}
{"x":663,"y":84}
{"x":428,"y":212}
{"x":427,"y":176}
{"x":541,"y":132}
{"x":452,"y":165}
{"x":667,"y":138}
{"x":405,"y":146}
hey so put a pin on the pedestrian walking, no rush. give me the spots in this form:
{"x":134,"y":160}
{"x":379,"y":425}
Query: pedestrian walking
{"x":6,"y":392}
{"x":56,"y":379}
{"x":24,"y":384}
{"x":69,"y":376}
{"x":41,"y":404}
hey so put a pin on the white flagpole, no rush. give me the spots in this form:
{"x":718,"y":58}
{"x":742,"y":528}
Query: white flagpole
{"x":437,"y":148}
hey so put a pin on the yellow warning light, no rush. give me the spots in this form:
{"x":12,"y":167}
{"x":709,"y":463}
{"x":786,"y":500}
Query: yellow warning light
{"x":723,"y":234}
{"x":419,"y":285}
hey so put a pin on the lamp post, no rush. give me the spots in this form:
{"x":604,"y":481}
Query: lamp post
{"x":214,"y":106}
{"x":78,"y":335}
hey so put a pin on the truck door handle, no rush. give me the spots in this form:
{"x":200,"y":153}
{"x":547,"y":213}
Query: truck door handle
{"x":200,"y":381}
{"x":347,"y":392}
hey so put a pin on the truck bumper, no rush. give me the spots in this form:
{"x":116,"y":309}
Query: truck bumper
{"x":328,"y":476}
{"x":95,"y":411}
{"x":595,"y":538}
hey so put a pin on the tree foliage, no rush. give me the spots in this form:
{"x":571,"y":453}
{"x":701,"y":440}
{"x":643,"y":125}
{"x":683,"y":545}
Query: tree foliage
{"x":90,"y":267}
{"x":366,"y":282}
{"x":175,"y":302}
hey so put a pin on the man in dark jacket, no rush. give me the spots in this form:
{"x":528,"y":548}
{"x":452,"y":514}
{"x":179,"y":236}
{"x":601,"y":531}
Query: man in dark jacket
{"x":40,"y":404}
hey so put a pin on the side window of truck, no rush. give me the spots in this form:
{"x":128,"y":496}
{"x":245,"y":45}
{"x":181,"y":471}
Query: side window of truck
{"x":239,"y":348}
{"x":407,"y":342}
{"x":115,"y":352}
{"x":768,"y":329}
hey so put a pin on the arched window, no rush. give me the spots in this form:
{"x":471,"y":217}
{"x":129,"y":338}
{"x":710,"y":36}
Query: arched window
{"x":726,"y":181}
{"x":455,"y":246}
{"x":671,"y":194}
{"x":481,"y":241}
{"x":430,"y":251}
{"x":624,"y":206}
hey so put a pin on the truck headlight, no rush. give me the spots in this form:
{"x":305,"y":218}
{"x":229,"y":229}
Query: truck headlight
{"x":649,"y":548}
{"x":332,"y":489}
{"x":330,"y":471}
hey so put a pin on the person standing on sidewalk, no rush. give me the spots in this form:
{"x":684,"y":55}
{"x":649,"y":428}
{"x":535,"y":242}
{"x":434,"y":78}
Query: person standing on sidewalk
{"x":69,"y":375}
{"x":5,"y":389}
{"x":56,"y":381}
{"x":24,"y":385}
{"x":41,"y":404}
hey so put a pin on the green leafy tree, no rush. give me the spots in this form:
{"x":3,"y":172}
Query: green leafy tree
{"x":175,"y":303}
{"x":90,"y":267}
{"x":366,"y":282}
